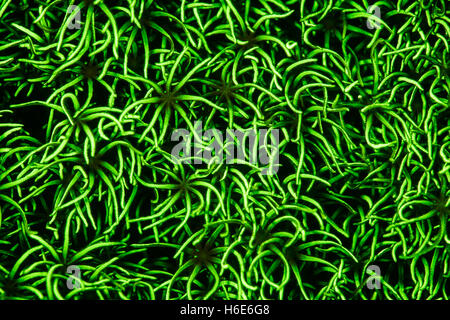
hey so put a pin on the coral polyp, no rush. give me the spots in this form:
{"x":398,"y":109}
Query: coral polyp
{"x":94,"y":205}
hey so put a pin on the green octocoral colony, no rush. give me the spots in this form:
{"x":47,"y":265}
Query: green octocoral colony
{"x":93,"y":205}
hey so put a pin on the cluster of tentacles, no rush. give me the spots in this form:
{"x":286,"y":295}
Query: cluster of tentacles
{"x":87,"y":179}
